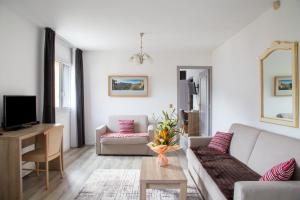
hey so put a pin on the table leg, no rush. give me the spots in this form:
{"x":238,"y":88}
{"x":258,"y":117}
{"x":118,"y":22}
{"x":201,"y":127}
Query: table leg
{"x":183,"y":191}
{"x":10,"y":170}
{"x":142,"y":190}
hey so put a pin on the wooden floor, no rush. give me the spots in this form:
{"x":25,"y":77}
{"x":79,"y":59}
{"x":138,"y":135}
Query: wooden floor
{"x":79,"y":164}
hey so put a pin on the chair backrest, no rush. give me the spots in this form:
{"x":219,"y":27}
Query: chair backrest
{"x":140,"y":123}
{"x":54,"y":140}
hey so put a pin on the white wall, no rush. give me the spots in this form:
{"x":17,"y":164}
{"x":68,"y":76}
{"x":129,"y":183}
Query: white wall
{"x":21,"y":63}
{"x":63,"y":51}
{"x":162,"y":84}
{"x":236,"y":68}
{"x":20,"y":54}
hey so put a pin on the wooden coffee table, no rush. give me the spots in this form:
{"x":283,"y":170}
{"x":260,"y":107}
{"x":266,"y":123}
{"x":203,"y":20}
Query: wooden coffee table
{"x":155,"y":177}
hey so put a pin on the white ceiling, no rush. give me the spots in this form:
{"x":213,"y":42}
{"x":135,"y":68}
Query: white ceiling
{"x":168,"y":24}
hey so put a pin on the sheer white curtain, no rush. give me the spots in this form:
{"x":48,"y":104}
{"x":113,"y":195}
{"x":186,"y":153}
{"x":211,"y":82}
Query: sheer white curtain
{"x":73,"y":121}
{"x":64,"y":54}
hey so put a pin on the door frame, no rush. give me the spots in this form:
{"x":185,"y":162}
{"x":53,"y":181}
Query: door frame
{"x":209,"y":69}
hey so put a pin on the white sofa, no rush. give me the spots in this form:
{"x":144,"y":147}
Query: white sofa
{"x":258,"y":149}
{"x":134,"y":145}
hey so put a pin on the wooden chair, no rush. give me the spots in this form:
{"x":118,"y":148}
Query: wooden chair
{"x":49,"y":149}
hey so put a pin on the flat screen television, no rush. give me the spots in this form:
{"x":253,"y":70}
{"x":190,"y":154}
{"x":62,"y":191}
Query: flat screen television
{"x":18,"y":111}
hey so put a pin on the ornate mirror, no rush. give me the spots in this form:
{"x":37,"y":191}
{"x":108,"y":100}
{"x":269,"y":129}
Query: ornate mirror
{"x":279,"y":84}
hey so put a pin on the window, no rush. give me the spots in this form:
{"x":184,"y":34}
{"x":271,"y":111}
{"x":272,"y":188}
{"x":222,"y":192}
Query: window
{"x":62,"y":85}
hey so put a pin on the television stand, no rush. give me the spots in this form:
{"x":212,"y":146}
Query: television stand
{"x":23,"y":126}
{"x":16,"y":128}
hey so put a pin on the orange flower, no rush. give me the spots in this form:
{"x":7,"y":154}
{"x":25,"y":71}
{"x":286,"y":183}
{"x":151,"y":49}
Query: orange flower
{"x":164,"y":134}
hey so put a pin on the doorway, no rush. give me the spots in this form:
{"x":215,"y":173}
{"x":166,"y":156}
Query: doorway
{"x":194,"y":99}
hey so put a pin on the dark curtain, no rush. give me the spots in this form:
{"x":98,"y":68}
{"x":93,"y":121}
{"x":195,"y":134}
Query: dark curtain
{"x":49,"y":77}
{"x":79,"y":98}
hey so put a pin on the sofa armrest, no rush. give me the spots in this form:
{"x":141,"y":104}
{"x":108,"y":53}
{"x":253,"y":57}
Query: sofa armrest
{"x":101,"y":130}
{"x":151,"y":132}
{"x":267,"y":190}
{"x":198,"y":141}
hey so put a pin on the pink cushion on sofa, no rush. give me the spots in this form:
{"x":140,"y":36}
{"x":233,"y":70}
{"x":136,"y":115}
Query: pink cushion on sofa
{"x":126,"y":126}
{"x":121,"y":135}
{"x":221,"y":142}
{"x":280,"y":172}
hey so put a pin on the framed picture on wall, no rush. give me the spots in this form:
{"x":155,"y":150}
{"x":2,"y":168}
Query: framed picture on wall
{"x":283,"y":86}
{"x":127,"y":86}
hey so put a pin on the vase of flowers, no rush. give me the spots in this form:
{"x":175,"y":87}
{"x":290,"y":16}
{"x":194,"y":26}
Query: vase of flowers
{"x":165,"y":136}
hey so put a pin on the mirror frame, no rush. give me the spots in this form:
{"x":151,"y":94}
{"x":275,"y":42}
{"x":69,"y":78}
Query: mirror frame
{"x":281,"y":45}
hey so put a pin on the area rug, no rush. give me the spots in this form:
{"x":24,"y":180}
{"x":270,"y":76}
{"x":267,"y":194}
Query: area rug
{"x":123,"y":184}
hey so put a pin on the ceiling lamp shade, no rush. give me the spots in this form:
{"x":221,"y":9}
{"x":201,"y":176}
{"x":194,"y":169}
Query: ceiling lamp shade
{"x":141,"y":57}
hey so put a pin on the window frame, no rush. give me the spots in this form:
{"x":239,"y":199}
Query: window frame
{"x":61,"y":85}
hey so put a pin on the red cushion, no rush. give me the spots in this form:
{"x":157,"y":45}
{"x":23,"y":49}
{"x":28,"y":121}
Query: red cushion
{"x":281,"y":172}
{"x":221,"y":142}
{"x":126,"y":126}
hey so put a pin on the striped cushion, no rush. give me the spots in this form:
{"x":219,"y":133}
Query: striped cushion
{"x":126,"y":126}
{"x":282,"y":172}
{"x":221,"y":142}
{"x":120,"y":135}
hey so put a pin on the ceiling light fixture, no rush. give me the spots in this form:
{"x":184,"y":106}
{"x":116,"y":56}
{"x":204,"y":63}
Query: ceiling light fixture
{"x":141,"y":57}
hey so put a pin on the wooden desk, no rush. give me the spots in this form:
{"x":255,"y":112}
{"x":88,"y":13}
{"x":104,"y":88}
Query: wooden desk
{"x":11,"y":144}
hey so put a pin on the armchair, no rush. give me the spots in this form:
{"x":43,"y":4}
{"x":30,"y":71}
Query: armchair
{"x":110,"y":142}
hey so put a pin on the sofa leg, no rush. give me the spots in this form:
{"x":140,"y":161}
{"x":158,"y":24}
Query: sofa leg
{"x":98,"y":149}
